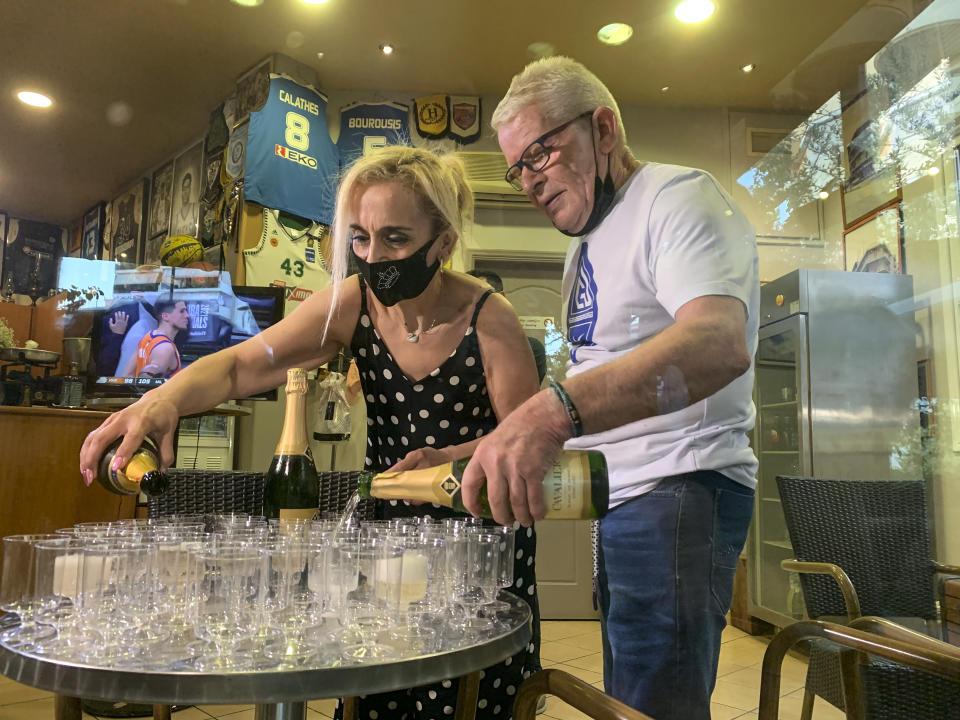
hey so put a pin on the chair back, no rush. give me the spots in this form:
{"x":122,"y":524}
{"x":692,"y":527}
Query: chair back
{"x":232,"y":491}
{"x":877,"y":531}
{"x":209,"y":492}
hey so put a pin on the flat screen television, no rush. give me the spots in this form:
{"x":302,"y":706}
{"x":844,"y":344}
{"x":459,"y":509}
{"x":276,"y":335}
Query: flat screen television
{"x":133,"y":342}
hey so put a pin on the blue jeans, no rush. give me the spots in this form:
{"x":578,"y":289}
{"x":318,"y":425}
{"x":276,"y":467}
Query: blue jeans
{"x":666,"y":566}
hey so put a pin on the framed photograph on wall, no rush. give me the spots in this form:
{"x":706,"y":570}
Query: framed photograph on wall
{"x":187,"y":184}
{"x":91,"y":246}
{"x":3,"y":237}
{"x":161,"y":199}
{"x":252,"y":89}
{"x":870,"y":177}
{"x":876,"y":243}
{"x":128,"y":214}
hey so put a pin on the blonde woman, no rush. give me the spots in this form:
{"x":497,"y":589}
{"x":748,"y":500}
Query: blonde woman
{"x":441,"y":360}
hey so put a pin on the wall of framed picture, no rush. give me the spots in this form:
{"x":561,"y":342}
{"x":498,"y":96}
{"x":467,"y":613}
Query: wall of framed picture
{"x":128,"y":214}
{"x":875,"y":243}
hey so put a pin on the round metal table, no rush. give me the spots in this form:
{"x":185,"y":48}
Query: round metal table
{"x":278,"y":694}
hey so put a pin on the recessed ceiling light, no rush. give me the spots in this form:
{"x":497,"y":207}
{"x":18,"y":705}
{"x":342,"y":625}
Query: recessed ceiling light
{"x":35,"y":99}
{"x":319,"y":56}
{"x":386,"y":48}
{"x":614,"y":33}
{"x":933,"y":170}
{"x":694,"y":11}
{"x":247,"y":3}
{"x":824,"y":195}
{"x":749,"y":68}
{"x":664,"y":88}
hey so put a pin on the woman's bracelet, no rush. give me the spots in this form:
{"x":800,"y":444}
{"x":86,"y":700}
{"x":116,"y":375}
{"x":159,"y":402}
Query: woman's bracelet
{"x":576,"y":423}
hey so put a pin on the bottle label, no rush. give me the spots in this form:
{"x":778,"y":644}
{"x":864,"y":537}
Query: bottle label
{"x":565,"y":488}
{"x":297,"y":513}
{"x":128,"y":478}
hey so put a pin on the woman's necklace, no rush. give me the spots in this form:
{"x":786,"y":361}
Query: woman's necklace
{"x":414,"y":336}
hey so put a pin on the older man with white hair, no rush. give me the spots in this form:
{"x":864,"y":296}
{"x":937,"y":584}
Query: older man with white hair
{"x":661,"y":298}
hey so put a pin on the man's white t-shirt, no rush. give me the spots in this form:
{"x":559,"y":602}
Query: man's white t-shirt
{"x":672,"y":235}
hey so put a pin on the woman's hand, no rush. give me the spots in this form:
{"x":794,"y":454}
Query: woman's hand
{"x":422,"y":458}
{"x":150,"y":415}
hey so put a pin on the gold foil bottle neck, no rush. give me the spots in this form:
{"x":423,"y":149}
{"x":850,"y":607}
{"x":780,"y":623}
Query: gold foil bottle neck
{"x":297,"y":381}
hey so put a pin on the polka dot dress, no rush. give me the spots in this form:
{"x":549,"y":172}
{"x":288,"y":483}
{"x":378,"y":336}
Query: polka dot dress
{"x":449,"y":406}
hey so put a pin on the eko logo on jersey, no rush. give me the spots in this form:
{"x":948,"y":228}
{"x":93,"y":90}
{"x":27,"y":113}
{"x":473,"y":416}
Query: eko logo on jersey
{"x":295,"y":156}
{"x":297,"y":136}
{"x":582,"y":308}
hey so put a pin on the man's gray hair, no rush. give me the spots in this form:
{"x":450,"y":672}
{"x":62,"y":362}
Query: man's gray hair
{"x":560,"y":88}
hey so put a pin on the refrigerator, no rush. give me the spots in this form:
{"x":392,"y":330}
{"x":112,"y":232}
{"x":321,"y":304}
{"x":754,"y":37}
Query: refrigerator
{"x":835,"y":391}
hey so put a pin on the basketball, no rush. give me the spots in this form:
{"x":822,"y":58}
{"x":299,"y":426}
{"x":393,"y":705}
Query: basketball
{"x":180,"y":250}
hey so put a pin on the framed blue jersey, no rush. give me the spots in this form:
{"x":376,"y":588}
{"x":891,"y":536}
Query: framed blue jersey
{"x":366,"y":126}
{"x":291,"y":162}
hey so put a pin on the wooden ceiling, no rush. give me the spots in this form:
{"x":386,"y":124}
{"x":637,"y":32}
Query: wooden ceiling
{"x":171,"y":61}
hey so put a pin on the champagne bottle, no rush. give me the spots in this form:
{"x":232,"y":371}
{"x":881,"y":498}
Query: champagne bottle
{"x":141,"y":473}
{"x":576,"y":487}
{"x":291,"y":490}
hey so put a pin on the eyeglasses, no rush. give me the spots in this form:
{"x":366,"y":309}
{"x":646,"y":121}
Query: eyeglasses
{"x":536,"y":155}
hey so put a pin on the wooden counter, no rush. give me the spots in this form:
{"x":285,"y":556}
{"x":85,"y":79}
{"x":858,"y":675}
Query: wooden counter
{"x":40,"y":485}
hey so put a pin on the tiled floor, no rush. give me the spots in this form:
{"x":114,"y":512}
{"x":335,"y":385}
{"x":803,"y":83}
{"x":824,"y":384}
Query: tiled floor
{"x":573,"y":646}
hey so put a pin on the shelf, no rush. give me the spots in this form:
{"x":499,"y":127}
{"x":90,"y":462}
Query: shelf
{"x":785,"y":403}
{"x":779,"y":452}
{"x":776,"y":500}
{"x":775,"y":363}
{"x":782,"y":544}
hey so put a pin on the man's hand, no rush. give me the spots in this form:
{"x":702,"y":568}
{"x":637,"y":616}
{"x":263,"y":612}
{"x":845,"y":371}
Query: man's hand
{"x":118,"y":323}
{"x":514,"y":459}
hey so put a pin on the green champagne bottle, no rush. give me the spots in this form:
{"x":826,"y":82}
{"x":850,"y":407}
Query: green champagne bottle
{"x":576,"y":487}
{"x":290,"y":491}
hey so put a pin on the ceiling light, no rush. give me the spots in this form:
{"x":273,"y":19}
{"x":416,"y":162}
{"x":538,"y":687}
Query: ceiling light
{"x":314,"y":2}
{"x":540,"y":50}
{"x":614,"y":33}
{"x":824,"y":195}
{"x":933,"y":170}
{"x":749,"y":68}
{"x":664,"y":88}
{"x":34,"y":98}
{"x":247,"y":3}
{"x":119,"y":113}
{"x":319,"y":56}
{"x":694,"y":11}
{"x":386,"y":48}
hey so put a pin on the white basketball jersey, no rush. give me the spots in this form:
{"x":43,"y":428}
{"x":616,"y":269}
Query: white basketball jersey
{"x":289,"y":259}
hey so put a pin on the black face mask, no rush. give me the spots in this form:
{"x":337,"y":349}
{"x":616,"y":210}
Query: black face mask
{"x":603,"y":195}
{"x":394,"y":280}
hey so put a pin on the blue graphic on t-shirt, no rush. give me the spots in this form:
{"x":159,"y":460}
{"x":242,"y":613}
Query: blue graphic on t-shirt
{"x":582,"y":310}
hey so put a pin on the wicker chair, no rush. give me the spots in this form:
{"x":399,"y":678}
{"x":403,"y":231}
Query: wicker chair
{"x":862,"y":547}
{"x":866,"y":635}
{"x":573,"y":691}
{"x":219,"y":491}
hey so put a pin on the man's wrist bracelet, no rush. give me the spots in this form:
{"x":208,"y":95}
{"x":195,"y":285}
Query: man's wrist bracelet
{"x":576,"y":423}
